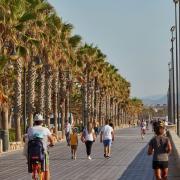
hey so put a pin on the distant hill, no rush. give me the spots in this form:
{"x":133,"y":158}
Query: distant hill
{"x":156,"y":99}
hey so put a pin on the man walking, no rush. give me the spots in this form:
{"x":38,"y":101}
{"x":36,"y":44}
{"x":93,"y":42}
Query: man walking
{"x":67,"y":132}
{"x":107,"y":136}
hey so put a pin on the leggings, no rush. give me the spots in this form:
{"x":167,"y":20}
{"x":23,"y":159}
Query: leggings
{"x":88,"y":147}
{"x":68,"y":138}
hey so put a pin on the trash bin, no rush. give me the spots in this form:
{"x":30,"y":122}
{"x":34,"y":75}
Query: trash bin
{"x":4,"y":135}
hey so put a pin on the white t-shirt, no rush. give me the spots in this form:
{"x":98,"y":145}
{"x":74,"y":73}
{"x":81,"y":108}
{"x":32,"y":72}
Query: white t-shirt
{"x":143,"y":126}
{"x":67,"y":128}
{"x":42,"y":130}
{"x":89,"y":137}
{"x":106,"y":131}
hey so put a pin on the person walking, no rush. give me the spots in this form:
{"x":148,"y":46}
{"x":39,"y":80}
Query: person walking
{"x":160,"y":147}
{"x":67,"y":132}
{"x":88,"y":136}
{"x":74,"y":142}
{"x":107,"y":136}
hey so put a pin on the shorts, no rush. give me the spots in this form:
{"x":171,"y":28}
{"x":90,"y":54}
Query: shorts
{"x":74,"y":147}
{"x":160,"y":164}
{"x":107,"y":142}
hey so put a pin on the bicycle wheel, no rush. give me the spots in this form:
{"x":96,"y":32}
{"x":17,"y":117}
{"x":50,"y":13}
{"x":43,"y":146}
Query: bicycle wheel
{"x":37,"y":174}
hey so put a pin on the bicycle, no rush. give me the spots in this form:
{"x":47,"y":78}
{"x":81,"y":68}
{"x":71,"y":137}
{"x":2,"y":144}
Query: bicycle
{"x":37,"y":166}
{"x":37,"y":173}
{"x":143,"y":132}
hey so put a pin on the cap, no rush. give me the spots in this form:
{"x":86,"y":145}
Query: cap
{"x":161,"y":124}
{"x":38,"y":117}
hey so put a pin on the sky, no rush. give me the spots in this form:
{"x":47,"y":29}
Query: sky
{"x":134,"y":34}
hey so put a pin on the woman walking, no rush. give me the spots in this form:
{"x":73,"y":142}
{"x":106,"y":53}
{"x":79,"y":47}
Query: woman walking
{"x":88,"y":136}
{"x":74,"y":142}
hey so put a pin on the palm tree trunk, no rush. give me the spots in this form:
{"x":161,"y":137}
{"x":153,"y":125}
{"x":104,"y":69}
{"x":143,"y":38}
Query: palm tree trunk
{"x":5,"y":127}
{"x":17,"y":98}
{"x":48,"y":82}
{"x":55,"y":85}
{"x":62,"y":102}
{"x":118,"y":114}
{"x":67,"y":97}
{"x":100,"y":108}
{"x":83,"y":103}
{"x":41,"y":81}
{"x":5,"y":117}
{"x":95,"y":99}
{"x":91,"y":116}
{"x":86,"y":96}
{"x":31,"y":91}
{"x":106,"y":101}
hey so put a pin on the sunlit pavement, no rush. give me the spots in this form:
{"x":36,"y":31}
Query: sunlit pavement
{"x":128,"y":161}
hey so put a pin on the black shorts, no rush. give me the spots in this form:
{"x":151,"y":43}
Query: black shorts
{"x":160,"y":164}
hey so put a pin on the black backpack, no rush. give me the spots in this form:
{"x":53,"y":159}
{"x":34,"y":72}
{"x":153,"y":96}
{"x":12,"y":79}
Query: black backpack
{"x":36,"y":150}
{"x":36,"y":154}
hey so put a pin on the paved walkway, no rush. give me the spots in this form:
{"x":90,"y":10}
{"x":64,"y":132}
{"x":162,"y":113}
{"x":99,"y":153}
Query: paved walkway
{"x":128,"y":162}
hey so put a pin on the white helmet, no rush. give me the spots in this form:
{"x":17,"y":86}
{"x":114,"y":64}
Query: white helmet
{"x":38,"y":117}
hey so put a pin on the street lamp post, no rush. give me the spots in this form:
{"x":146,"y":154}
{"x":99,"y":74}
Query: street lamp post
{"x":177,"y":65}
{"x":170,"y":96}
{"x":173,"y":79}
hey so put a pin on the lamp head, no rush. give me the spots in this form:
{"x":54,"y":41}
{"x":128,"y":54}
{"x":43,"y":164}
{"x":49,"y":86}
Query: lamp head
{"x":175,"y":1}
{"x":172,"y":28}
{"x":169,"y":65}
{"x":172,"y":39}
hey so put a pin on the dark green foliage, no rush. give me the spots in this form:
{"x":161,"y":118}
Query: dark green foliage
{"x":3,"y":61}
{"x":27,"y":16}
{"x":12,"y":135}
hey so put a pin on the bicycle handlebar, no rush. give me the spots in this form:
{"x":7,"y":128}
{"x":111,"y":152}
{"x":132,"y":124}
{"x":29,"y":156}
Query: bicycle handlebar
{"x":51,"y":145}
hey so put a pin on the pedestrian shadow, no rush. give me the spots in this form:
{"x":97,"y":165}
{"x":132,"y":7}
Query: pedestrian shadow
{"x":78,"y":158}
{"x":140,"y":168}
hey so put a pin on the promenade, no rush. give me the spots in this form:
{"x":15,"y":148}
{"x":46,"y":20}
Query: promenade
{"x":129,"y":161}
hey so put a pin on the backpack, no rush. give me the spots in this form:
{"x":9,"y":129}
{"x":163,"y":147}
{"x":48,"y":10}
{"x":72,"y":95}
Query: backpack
{"x":36,"y":153}
{"x":36,"y":150}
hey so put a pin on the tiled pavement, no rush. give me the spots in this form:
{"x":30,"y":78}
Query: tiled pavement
{"x":128,"y":162}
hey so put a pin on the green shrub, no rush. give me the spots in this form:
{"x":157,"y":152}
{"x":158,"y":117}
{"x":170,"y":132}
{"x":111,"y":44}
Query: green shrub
{"x":12,"y":135}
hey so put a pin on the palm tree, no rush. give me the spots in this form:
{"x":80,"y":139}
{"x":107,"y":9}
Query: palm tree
{"x":17,"y":98}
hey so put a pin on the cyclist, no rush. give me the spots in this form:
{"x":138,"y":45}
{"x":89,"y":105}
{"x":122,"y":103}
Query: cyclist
{"x":46,"y":134}
{"x":143,"y":129}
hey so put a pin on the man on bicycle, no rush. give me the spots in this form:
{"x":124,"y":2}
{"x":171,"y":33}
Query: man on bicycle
{"x":39,"y":129}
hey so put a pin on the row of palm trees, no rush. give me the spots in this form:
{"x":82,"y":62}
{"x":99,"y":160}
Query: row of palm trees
{"x":41,"y":62}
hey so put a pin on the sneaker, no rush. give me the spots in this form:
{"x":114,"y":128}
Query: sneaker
{"x":105,"y":155}
{"x":74,"y":157}
{"x":108,"y":157}
{"x":89,"y":157}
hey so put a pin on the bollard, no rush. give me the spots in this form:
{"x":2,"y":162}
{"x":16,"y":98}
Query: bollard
{"x":4,"y":135}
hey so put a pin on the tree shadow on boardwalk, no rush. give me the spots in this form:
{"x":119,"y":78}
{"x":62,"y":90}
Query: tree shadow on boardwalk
{"x":140,"y":168}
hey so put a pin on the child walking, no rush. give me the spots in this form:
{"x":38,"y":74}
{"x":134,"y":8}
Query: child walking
{"x":160,"y":147}
{"x":74,"y":142}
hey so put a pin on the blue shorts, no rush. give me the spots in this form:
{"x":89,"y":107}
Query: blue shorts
{"x":107,"y":142}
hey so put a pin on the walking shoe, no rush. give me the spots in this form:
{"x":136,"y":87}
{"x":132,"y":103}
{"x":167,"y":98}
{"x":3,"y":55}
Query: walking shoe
{"x":89,"y":158}
{"x":108,"y":157}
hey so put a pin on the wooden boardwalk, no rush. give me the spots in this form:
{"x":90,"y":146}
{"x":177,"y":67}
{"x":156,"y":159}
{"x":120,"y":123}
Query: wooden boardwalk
{"x":128,"y":162}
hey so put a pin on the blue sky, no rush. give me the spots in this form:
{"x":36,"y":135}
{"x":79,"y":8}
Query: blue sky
{"x":134,"y":34}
